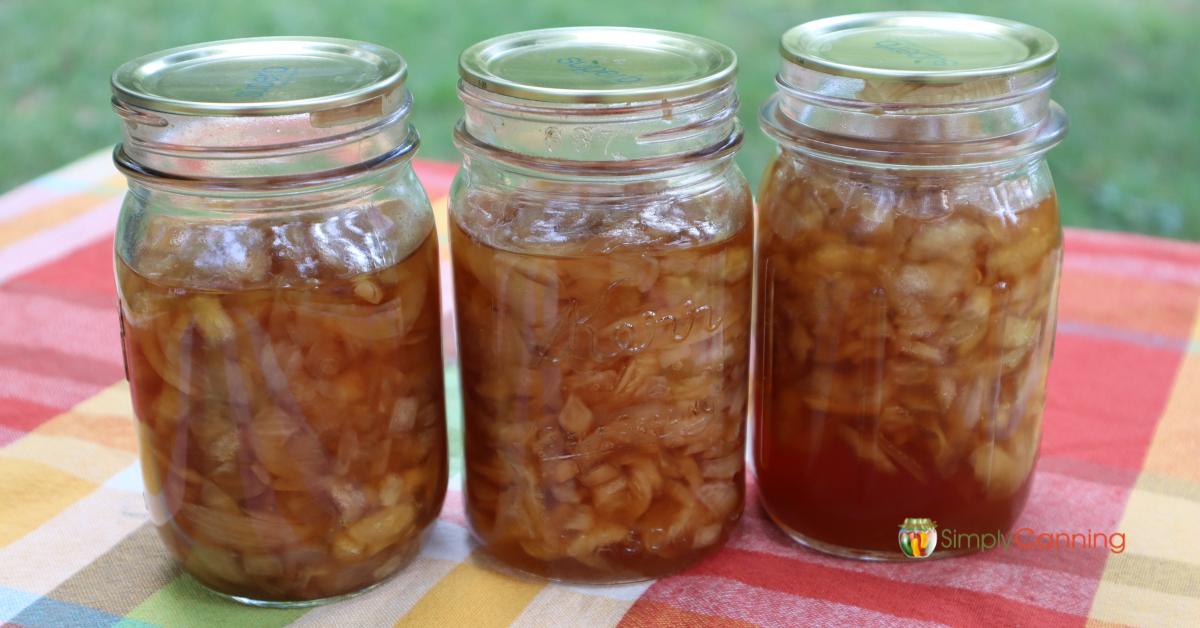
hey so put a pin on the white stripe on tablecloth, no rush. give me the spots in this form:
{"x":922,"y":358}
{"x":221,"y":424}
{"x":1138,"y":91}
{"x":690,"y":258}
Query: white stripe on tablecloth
{"x":79,"y":176}
{"x":53,"y":552}
{"x":557,"y":605}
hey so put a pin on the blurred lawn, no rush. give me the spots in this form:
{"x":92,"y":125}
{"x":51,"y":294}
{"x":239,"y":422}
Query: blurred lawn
{"x":1129,"y":78}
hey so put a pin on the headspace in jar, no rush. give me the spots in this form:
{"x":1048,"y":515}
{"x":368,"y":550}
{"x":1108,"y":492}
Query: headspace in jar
{"x":280,"y":315}
{"x":602,"y":246}
{"x":909,"y":261}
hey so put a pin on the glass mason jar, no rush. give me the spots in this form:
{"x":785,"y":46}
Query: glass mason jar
{"x":908,"y":274}
{"x":602,"y":243}
{"x":277,"y":269}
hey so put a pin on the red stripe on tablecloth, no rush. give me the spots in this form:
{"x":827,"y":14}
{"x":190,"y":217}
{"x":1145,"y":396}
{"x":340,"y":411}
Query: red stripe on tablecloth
{"x":1104,"y":399}
{"x":875,"y":593}
{"x":48,"y":362}
{"x":40,"y":322}
{"x":1113,"y":244}
{"x":8,"y":435}
{"x":1065,"y":581}
{"x":59,"y":336}
{"x":712,"y":596}
{"x":1088,"y":471}
{"x":83,"y":275}
{"x":54,"y":392}
{"x":453,"y":507}
{"x":435,"y":176}
{"x":21,"y":415}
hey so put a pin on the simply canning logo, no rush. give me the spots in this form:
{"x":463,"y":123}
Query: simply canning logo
{"x":1031,"y":539}
{"x":918,"y":537}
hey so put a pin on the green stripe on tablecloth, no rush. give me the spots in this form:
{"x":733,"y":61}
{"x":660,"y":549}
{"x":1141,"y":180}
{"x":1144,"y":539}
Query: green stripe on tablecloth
{"x":1158,"y":574}
{"x":184,"y":602}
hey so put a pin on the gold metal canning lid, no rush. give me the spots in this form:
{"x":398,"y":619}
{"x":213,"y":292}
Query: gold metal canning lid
{"x":918,"y":47}
{"x":261,"y":76}
{"x":597,"y":65}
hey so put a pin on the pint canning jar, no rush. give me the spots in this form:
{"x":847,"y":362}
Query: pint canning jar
{"x":277,"y":270}
{"x":602,"y":242}
{"x":909,"y":260}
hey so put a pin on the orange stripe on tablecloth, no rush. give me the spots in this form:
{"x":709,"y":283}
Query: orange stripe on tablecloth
{"x":33,"y":493}
{"x":104,"y":419}
{"x":1176,"y":446}
{"x":649,"y":613}
{"x":49,"y":215}
{"x":1128,"y":303}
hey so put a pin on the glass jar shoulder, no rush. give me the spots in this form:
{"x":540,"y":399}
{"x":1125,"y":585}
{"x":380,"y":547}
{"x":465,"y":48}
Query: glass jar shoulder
{"x":920,"y":215}
{"x":249,"y":241}
{"x":581,"y":219}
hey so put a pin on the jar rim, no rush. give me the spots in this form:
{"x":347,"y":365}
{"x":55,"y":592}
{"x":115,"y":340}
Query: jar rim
{"x":597,"y":64}
{"x":259,"y":76}
{"x":922,"y":47}
{"x":916,"y":87}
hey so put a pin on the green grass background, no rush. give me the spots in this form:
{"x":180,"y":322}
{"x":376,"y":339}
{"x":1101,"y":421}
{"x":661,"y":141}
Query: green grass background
{"x":1130,"y":75}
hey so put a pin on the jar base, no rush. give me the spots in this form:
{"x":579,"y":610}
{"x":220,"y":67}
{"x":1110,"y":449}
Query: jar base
{"x":854,"y":553}
{"x":489,"y":559}
{"x":248,"y":601}
{"x":495,"y":563}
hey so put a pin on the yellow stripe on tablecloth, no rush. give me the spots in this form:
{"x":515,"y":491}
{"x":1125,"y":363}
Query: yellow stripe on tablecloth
{"x":472,"y":595}
{"x":441,"y":218}
{"x":32,"y":493}
{"x":52,"y":213}
{"x":1158,"y":584}
{"x":59,"y":462}
{"x":83,"y":459}
{"x":113,"y":400}
{"x":1138,"y":606}
{"x":1161,"y":526}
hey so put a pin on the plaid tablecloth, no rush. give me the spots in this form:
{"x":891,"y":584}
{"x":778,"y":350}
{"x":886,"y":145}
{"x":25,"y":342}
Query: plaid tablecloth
{"x":1120,"y":454}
